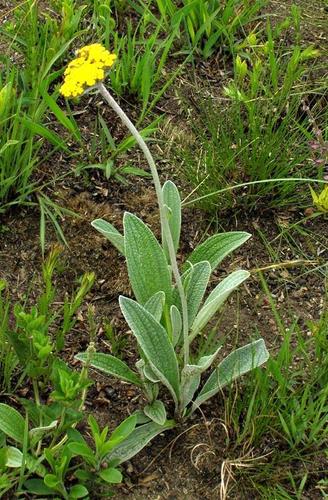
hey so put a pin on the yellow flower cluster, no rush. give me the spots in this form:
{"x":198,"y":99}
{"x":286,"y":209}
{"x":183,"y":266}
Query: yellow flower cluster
{"x":87,"y":69}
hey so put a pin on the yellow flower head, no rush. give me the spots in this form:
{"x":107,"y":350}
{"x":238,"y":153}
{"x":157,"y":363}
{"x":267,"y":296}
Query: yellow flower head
{"x":87,"y":69}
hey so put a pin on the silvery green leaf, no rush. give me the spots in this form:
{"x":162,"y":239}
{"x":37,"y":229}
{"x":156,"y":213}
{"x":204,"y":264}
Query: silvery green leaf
{"x":156,"y":412}
{"x":215,"y":300}
{"x":110,"y":365}
{"x":154,"y":342}
{"x":237,"y":363}
{"x":149,"y":374}
{"x":150,"y":380}
{"x":190,"y":380}
{"x":205,"y":361}
{"x":140,"y":366}
{"x":151,"y":390}
{"x":155,"y":305}
{"x":217,"y":247}
{"x":196,"y":286}
{"x":233,"y":280}
{"x":173,"y":203}
{"x":14,"y":457}
{"x":111,"y":233}
{"x":176,"y":322}
{"x":141,"y":417}
{"x":12,"y":423}
{"x":146,"y":261}
{"x":190,"y":376}
{"x":137,"y":440}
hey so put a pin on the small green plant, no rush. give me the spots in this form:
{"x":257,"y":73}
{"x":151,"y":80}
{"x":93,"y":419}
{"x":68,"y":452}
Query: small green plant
{"x":117,"y":342}
{"x":99,"y":468}
{"x":27,"y":442}
{"x":41,"y":452}
{"x":30,"y":343}
{"x":54,"y":458}
{"x":30,"y":336}
{"x":320,"y":200}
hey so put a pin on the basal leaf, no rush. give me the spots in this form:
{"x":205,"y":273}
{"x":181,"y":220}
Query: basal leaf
{"x":78,"y":491}
{"x":173,"y":203}
{"x":195,"y":288}
{"x":236,"y":364}
{"x":146,"y":261}
{"x":215,"y":300}
{"x":190,"y":380}
{"x":137,"y":440}
{"x":176,"y":322}
{"x":217,"y":247}
{"x":14,"y":457}
{"x":155,"y":305}
{"x":156,"y":412}
{"x":111,"y":475}
{"x":37,"y":487}
{"x":149,"y":374}
{"x":154,"y":342}
{"x":111,"y":233}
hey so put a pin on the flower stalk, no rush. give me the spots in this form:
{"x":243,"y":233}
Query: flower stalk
{"x":162,"y":211}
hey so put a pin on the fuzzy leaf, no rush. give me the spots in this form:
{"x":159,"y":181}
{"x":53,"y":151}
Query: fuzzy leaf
{"x":110,"y":365}
{"x":146,"y":261}
{"x":190,"y":380}
{"x":37,"y":432}
{"x":155,"y":305}
{"x":215,"y":300}
{"x":149,"y":374}
{"x":111,"y":233}
{"x":173,"y":203}
{"x":217,"y":247}
{"x":196,"y":284}
{"x":237,"y":363}
{"x":176,"y":322}
{"x":154,"y":342}
{"x":205,"y":361}
{"x":156,"y":412}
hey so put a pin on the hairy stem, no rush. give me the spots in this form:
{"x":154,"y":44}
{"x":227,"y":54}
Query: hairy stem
{"x":163,"y":217}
